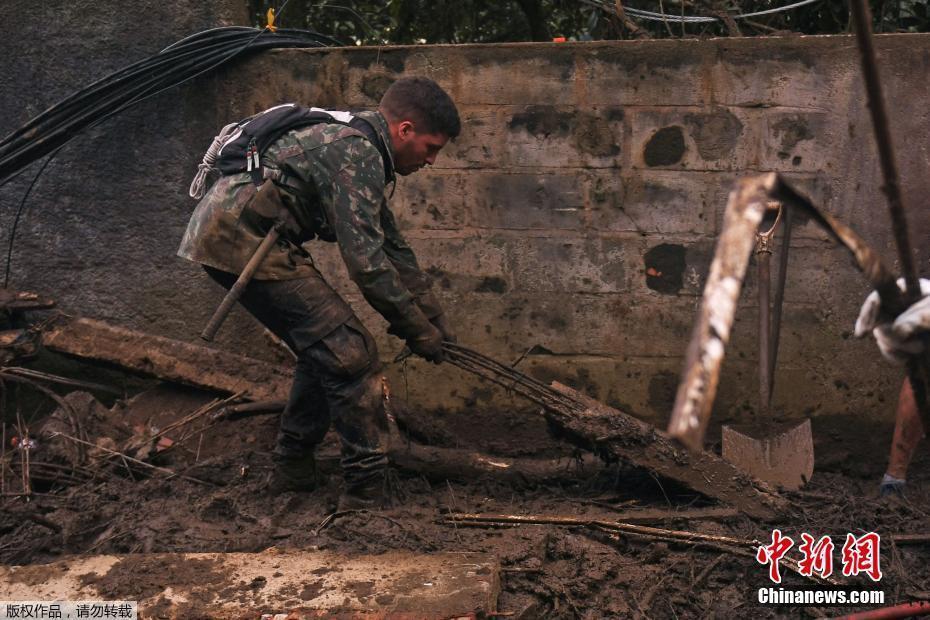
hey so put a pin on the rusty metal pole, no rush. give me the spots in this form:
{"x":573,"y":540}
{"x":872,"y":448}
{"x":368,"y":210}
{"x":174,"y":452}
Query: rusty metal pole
{"x":763,"y":264}
{"x":763,"y":259}
{"x":862,"y":20}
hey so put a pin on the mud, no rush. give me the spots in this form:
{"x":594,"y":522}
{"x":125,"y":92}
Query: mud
{"x":548,"y":571}
{"x":666,"y":147}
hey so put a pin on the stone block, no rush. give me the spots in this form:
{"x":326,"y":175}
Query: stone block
{"x":569,"y":265}
{"x":543,"y":136}
{"x":433,"y":200}
{"x":481,"y":144}
{"x":515,"y":75}
{"x":526,"y":200}
{"x":462,"y":265}
{"x":651,"y":202}
{"x":706,"y":138}
{"x":801,"y":141}
{"x":659,"y":73}
{"x":490,"y":200}
{"x":804,"y":74}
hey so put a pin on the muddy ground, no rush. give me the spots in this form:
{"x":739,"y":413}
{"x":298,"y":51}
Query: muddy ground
{"x":548,"y":571}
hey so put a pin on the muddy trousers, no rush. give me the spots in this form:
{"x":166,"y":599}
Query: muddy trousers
{"x":338,"y":375}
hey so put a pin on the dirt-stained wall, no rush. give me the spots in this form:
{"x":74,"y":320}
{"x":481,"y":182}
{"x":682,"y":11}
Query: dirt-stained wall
{"x":570,"y":226}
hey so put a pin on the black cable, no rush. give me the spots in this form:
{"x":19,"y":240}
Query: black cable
{"x":171,"y":67}
{"x":47,"y":133}
{"x":19,"y":213}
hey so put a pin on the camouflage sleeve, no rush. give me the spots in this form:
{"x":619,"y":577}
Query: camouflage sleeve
{"x":355,"y":216}
{"x":401,"y":255}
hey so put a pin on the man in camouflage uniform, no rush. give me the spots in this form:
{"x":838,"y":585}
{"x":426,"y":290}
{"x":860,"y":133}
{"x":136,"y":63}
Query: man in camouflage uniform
{"x":332,"y":179}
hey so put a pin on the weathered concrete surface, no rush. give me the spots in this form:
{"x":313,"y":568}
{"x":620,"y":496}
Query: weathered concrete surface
{"x":577,"y":211}
{"x":395,"y":585}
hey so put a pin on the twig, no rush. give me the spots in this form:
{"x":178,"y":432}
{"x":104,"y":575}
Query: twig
{"x":910,"y":539}
{"x":171,"y":473}
{"x":24,"y":442}
{"x":330,"y":519}
{"x":65,"y":405}
{"x":3,"y":462}
{"x":646,"y":603}
{"x":706,"y":571}
{"x":202,"y":411}
{"x":28,"y":373}
{"x":727,"y":544}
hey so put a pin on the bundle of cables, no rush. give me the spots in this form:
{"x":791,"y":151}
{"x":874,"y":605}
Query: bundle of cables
{"x":174,"y":65}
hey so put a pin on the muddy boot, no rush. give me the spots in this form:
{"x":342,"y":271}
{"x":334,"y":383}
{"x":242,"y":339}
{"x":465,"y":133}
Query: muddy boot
{"x":892,"y":487}
{"x":293,"y":474}
{"x":373,"y":493}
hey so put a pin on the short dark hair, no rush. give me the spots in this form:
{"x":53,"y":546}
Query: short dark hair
{"x":424,"y":102}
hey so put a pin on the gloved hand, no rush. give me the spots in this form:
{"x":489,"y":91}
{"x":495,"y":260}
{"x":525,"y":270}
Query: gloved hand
{"x":902,"y":338}
{"x":427,"y":344}
{"x":442,"y":324}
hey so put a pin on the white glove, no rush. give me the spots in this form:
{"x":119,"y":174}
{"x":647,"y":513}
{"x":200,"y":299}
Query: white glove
{"x":898,"y":340}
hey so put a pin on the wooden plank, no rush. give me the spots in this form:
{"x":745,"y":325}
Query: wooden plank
{"x":301,"y":583}
{"x":621,"y":435}
{"x":167,"y":359}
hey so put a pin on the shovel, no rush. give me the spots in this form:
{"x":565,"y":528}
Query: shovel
{"x":783,"y":456}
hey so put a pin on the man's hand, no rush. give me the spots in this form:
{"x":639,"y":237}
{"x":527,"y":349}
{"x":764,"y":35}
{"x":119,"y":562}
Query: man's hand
{"x":902,"y":338}
{"x":427,"y":344}
{"x":442,"y":324}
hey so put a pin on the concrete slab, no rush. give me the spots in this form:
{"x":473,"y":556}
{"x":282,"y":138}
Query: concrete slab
{"x":274,"y":583}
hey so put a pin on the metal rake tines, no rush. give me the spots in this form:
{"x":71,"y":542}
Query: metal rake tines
{"x":509,"y":378}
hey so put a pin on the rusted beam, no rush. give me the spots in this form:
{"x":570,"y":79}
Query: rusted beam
{"x":695,"y":398}
{"x":167,"y":359}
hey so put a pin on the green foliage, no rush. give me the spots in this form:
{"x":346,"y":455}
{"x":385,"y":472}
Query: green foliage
{"x":398,"y":22}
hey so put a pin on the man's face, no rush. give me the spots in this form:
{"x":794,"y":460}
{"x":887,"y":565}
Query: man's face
{"x":414,"y":149}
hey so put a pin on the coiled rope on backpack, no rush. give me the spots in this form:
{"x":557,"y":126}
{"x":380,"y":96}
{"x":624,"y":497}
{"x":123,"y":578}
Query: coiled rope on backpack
{"x":205,"y":167}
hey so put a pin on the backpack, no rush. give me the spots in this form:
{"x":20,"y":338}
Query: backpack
{"x":239,"y":146}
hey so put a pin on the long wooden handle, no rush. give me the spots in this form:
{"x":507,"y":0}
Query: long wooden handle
{"x":235,"y":292}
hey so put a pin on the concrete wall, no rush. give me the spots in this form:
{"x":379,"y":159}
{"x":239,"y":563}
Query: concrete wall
{"x":575,"y":215}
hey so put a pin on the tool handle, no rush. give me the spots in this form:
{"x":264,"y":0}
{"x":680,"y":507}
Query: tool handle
{"x":235,"y":292}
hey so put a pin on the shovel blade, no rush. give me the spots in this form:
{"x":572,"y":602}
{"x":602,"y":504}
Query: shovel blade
{"x":784,"y":458}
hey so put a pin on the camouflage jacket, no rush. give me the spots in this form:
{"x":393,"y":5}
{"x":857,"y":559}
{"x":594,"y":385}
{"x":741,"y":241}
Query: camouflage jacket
{"x":342,"y":186}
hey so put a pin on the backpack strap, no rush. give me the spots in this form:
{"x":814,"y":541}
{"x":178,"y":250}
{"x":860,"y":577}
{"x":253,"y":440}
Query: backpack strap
{"x":369,"y":131}
{"x":239,"y":146}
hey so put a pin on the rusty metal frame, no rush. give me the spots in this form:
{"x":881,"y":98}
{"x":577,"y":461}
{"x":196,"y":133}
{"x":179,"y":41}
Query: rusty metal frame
{"x":745,"y":208}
